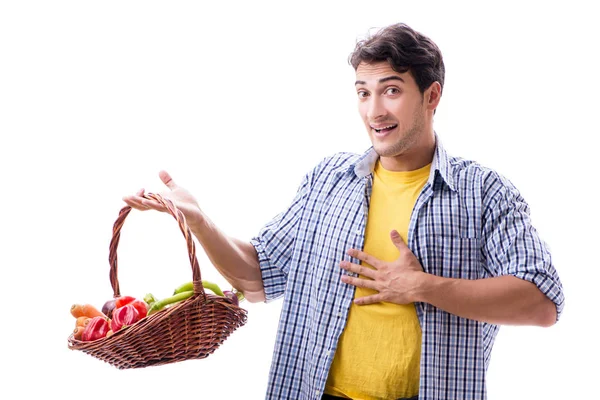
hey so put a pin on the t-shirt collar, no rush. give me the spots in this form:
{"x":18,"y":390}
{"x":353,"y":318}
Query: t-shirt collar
{"x":365,"y":164}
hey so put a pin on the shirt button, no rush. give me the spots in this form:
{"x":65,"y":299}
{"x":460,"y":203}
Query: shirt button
{"x":328,"y":353}
{"x":339,"y":315}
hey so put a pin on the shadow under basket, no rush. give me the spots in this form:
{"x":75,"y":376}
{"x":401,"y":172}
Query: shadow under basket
{"x":188,"y":330}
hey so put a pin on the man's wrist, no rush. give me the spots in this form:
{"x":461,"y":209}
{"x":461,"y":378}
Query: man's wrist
{"x":426,"y":285}
{"x":198,"y":223}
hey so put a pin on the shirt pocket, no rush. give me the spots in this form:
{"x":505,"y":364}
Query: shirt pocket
{"x":455,"y":257}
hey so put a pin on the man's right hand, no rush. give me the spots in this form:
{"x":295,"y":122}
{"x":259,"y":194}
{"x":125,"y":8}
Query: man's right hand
{"x":182,"y":199}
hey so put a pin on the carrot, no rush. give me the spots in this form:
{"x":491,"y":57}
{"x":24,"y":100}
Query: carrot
{"x":86,"y":310}
{"x":82,"y":321}
{"x":78,"y":332}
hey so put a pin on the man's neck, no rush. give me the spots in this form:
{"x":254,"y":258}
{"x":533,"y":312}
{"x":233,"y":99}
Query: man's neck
{"x":414,"y":158}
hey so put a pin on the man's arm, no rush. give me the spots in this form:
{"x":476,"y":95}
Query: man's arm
{"x":503,"y":300}
{"x":516,"y":255}
{"x":258,"y":268}
{"x":499,"y":300}
{"x":235,"y":259}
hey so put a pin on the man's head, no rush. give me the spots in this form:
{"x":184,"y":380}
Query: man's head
{"x":399,"y":80}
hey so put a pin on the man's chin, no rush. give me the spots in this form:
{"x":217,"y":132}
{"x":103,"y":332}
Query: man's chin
{"x":387,"y":151}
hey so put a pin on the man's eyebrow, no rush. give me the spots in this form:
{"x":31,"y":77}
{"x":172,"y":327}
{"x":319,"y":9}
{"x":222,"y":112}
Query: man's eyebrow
{"x":382,"y":80}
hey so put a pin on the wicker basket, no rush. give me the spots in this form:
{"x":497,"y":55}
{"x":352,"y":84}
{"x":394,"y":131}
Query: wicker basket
{"x":191,"y":329}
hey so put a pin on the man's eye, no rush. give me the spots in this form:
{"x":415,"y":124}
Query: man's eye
{"x":392,"y":91}
{"x":362,"y":94}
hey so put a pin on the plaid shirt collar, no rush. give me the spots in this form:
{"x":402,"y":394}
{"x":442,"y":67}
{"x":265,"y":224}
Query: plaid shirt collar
{"x":365,"y":165}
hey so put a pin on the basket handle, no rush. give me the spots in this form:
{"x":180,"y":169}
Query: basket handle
{"x":180,"y":218}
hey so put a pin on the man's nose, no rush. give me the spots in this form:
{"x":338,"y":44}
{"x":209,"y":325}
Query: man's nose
{"x":376,"y":109}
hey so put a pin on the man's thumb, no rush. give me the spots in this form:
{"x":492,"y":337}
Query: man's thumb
{"x":167,"y":180}
{"x":397,"y":239}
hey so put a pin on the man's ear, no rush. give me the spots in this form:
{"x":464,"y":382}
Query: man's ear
{"x":433,"y":95}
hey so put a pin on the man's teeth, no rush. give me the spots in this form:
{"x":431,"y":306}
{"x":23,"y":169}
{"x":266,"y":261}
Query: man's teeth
{"x":387,"y":127}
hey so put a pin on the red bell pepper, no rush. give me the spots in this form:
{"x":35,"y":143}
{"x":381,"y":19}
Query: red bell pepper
{"x":124,"y":316}
{"x":123,"y":300}
{"x":95,"y":329}
{"x":139,"y":305}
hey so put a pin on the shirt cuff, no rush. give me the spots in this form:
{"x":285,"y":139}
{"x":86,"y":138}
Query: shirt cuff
{"x":274,"y":280}
{"x":548,"y":286}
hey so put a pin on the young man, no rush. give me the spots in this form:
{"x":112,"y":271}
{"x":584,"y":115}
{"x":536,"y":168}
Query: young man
{"x":397,"y":265}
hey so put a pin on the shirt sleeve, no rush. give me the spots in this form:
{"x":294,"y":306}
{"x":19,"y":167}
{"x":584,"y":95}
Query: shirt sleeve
{"x":275,"y":244}
{"x":512,"y":245}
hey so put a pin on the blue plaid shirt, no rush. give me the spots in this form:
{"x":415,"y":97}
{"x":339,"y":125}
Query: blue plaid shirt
{"x":468,"y":222}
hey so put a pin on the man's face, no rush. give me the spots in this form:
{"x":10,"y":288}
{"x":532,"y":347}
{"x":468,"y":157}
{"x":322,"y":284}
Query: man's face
{"x":391,"y":107}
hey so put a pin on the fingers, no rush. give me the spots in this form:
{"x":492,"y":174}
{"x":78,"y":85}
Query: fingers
{"x":167,"y":180}
{"x":153,"y":204}
{"x":358,"y":282}
{"x":135,"y":201}
{"x":375,"y":298}
{"x":361,"y":255}
{"x":140,"y":203}
{"x":397,"y":240}
{"x":359,"y":269}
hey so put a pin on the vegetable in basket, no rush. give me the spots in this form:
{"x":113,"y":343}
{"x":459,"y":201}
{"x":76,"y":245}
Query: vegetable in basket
{"x":82,"y":321}
{"x":235,"y":297}
{"x":159,"y":305}
{"x":206,"y":284}
{"x":125,"y":316}
{"x":78,"y":332}
{"x":139,"y":305}
{"x":96,"y":329}
{"x":122,"y":300}
{"x":109,"y":307}
{"x":149,"y":299}
{"x":85,"y":310}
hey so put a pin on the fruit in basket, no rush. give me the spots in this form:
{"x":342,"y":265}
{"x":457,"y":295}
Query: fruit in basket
{"x":86,"y":310}
{"x":124,"y":316}
{"x":159,"y":305}
{"x":109,"y":307}
{"x":96,"y":329}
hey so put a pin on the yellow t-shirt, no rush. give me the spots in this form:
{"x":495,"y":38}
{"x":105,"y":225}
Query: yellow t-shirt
{"x":378,"y":354}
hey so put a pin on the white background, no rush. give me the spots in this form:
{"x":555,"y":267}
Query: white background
{"x":237,"y":100}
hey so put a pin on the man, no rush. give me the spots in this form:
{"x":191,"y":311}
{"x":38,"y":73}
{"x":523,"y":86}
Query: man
{"x":398,"y":265}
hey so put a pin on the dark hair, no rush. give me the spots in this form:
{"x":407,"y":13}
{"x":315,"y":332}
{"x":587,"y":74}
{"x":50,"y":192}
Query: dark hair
{"x":405,"y":50}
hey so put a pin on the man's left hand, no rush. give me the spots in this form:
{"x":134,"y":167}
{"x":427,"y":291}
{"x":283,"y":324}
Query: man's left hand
{"x":398,"y":281}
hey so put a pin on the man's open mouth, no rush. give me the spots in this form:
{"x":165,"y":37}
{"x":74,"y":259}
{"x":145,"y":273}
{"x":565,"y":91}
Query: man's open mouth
{"x":385,"y":128}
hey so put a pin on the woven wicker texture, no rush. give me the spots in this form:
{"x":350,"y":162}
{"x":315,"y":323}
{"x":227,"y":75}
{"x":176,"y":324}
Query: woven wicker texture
{"x":191,"y":329}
